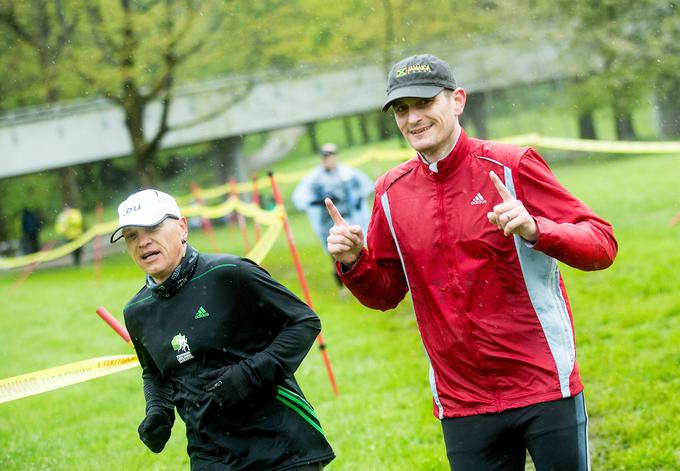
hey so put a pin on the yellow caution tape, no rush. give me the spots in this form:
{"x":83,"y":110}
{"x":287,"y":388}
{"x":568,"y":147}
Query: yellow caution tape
{"x":50,"y":379}
{"x":47,"y":255}
{"x":590,"y":145}
{"x":533,"y":140}
{"x":230,"y":205}
{"x":260,"y":215}
{"x":264,"y":245}
{"x":192,"y":208}
{"x":243,"y":187}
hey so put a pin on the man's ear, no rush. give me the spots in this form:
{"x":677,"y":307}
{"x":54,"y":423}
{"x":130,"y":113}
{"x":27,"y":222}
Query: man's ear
{"x":459,"y":99}
{"x":184,"y":229}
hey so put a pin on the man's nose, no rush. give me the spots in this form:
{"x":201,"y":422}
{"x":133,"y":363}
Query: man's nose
{"x":144,"y":239}
{"x":414,"y":115}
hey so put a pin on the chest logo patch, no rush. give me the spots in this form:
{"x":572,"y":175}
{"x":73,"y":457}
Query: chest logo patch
{"x":478,"y":199}
{"x":201,"y":313}
{"x":180,"y":344}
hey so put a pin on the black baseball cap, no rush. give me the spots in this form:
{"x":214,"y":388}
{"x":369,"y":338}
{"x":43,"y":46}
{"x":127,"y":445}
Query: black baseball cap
{"x":419,"y":76}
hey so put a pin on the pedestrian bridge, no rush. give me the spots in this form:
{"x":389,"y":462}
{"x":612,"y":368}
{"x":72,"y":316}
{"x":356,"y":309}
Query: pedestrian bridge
{"x":46,"y":137}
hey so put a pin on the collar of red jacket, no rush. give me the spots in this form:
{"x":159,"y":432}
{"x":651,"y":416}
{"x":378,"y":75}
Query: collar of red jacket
{"x":449,"y":163}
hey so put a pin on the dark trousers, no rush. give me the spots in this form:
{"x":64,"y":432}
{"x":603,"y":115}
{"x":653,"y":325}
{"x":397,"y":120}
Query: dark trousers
{"x":554,"y":433}
{"x":338,"y":281}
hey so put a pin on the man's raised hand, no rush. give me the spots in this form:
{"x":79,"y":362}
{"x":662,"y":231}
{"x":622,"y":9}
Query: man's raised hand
{"x":344,"y":241}
{"x":511,"y":216}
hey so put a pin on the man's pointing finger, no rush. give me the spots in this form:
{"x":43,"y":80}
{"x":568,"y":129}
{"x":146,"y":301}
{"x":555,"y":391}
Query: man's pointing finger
{"x":337,"y":218}
{"x":500,"y":187}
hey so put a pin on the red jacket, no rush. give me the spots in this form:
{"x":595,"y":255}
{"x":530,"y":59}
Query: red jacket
{"x":492,"y":311}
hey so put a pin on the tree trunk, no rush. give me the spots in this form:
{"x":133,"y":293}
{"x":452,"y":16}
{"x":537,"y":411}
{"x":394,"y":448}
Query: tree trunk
{"x":586,"y":125}
{"x":668,"y":108}
{"x":349,"y":134}
{"x":143,"y":154}
{"x":228,"y":155}
{"x":147,"y":173}
{"x":475,"y":109}
{"x":313,"y":141}
{"x":363,"y":127}
{"x":3,"y":223}
{"x":385,"y":125}
{"x":48,"y":57}
{"x":625,"y":130}
{"x":68,"y":186}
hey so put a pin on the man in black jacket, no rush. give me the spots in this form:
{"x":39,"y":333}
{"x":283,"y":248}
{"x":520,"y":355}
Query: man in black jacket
{"x":219,"y":340}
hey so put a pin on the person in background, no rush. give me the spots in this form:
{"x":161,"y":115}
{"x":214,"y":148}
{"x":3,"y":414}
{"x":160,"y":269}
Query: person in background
{"x":346,"y":186}
{"x":474,"y":230}
{"x":70,"y":226}
{"x":30,"y":226}
{"x":218,"y":340}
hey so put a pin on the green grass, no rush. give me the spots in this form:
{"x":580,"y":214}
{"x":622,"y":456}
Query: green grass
{"x":627,"y":327}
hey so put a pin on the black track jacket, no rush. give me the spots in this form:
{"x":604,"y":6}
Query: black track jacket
{"x":230,"y":311}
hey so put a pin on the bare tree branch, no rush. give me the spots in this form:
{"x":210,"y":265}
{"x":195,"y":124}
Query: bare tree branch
{"x":197,"y":46}
{"x":165,"y":81}
{"x":43,"y":33}
{"x":218,"y":110}
{"x":183,"y":29}
{"x":99,"y":88}
{"x":163,"y":129}
{"x":9,"y":18}
{"x":66,"y":29}
{"x":102,"y":37}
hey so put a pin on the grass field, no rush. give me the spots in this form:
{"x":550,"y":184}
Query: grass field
{"x":627,"y":325}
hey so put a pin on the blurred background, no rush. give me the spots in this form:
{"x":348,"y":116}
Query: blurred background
{"x":99,"y":98}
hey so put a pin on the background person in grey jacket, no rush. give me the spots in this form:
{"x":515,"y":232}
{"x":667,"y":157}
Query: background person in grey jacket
{"x":348,"y":187}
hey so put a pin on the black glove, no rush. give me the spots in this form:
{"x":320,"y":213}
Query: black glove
{"x":155,"y":429}
{"x":229,"y":385}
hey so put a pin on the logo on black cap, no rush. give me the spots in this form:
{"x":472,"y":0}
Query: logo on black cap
{"x":412,"y":68}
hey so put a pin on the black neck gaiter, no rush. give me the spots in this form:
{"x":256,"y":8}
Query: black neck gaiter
{"x":179,"y":277}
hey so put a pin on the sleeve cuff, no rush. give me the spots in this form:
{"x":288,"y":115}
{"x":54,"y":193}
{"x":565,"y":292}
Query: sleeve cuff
{"x":544,"y":227}
{"x":350,"y":271}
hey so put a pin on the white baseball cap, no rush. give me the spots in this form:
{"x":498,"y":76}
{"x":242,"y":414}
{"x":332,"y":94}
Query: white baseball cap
{"x":328,"y":149}
{"x":146,"y":208}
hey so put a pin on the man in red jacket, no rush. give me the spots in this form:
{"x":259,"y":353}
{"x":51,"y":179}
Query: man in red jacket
{"x":474,"y":230}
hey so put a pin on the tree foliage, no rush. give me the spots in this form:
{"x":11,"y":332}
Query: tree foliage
{"x":138,"y":49}
{"x":35,"y":37}
{"x":662,"y":45}
{"x":137,"y":53}
{"x":620,"y":50}
{"x":45,"y":29}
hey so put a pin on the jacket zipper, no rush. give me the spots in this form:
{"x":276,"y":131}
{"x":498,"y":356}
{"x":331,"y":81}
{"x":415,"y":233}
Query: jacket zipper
{"x":451,"y":271}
